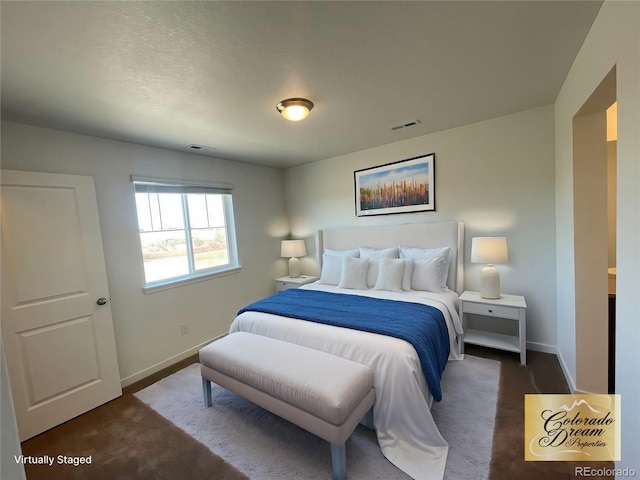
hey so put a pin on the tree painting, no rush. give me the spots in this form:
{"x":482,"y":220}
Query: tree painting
{"x":396,"y":188}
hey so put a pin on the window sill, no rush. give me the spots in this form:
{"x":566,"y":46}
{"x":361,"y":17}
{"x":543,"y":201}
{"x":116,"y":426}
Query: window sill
{"x":187,"y":281}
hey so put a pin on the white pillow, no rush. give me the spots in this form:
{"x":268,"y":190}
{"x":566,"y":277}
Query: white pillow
{"x":343,"y":253}
{"x":427,"y":275}
{"x":374,"y":256}
{"x":408,"y":273}
{"x":354,"y":273}
{"x":390,"y":274}
{"x":331,"y":269}
{"x":429,"y":253}
{"x":332,"y":265}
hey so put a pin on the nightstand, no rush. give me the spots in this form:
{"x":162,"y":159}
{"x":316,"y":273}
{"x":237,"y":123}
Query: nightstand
{"x":508,"y":307}
{"x":285,"y":283}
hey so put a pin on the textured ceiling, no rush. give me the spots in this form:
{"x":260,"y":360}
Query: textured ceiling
{"x":170,"y":74}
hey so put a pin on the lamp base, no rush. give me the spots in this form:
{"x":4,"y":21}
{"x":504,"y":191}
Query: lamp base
{"x":490,"y":282}
{"x":294,"y":267}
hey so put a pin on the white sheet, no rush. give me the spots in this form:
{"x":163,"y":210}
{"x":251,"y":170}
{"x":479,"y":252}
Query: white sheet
{"x":407,"y":434}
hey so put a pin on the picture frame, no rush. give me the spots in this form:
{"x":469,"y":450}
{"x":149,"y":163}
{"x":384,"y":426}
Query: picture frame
{"x":405,"y":186}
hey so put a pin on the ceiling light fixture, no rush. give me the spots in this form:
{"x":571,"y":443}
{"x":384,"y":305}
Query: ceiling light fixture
{"x":295,"y":109}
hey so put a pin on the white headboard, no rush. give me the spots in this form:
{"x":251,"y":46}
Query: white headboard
{"x":418,"y":235}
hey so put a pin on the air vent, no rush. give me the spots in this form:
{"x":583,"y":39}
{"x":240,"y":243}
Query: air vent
{"x":412,"y":123}
{"x":199,"y":147}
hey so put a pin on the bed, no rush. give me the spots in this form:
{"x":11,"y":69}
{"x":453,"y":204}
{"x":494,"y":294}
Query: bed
{"x":405,"y":391}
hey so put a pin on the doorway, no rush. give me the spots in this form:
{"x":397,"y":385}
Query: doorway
{"x":595,"y":337}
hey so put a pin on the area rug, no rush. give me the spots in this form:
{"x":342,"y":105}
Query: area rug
{"x":265,"y":447}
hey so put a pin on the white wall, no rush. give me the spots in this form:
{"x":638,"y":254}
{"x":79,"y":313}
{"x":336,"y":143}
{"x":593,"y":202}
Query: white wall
{"x":614,"y":40}
{"x":496,"y":176}
{"x":590,"y":250}
{"x":147,"y":326}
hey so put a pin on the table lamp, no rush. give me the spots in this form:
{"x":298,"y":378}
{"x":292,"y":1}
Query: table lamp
{"x":293,"y":249}
{"x":489,"y":250}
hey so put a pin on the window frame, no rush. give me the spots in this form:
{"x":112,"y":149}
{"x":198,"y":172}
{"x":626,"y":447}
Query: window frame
{"x":156,"y":185}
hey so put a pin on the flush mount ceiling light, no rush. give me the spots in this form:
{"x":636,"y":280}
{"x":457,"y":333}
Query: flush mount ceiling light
{"x":295,"y":109}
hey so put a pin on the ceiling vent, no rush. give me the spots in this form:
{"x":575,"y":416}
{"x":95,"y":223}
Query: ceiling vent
{"x":412,"y":123}
{"x":199,"y":147}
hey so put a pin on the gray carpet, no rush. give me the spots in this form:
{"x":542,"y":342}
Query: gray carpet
{"x":264,"y":447}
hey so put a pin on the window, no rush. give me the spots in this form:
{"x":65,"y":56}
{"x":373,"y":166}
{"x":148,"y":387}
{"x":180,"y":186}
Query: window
{"x":186,"y":230}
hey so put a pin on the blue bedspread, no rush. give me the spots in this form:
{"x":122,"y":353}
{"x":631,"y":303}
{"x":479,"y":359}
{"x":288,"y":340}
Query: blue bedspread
{"x":421,"y":325}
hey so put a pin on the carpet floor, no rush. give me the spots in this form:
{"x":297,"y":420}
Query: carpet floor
{"x":128,"y":440}
{"x":265,"y":447}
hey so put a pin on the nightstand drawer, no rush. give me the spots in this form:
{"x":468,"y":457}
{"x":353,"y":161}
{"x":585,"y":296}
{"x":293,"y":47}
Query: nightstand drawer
{"x":285,"y":283}
{"x":281,"y":286}
{"x":491,"y":310}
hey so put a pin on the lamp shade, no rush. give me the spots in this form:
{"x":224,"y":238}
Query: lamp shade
{"x":489,"y":250}
{"x":293,"y":248}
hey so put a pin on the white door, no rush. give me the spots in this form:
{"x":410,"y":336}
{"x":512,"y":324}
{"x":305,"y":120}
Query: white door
{"x":57,"y":329}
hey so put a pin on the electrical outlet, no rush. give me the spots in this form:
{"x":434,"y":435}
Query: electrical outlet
{"x":184,"y":328}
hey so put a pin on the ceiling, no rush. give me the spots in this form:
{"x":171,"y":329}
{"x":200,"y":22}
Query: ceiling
{"x":171,"y":74}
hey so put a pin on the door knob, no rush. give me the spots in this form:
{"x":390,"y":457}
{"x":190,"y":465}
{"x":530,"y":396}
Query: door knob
{"x":101,"y":301}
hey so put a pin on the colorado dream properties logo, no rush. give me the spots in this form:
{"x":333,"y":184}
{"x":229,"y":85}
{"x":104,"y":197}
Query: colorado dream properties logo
{"x":572,"y":427}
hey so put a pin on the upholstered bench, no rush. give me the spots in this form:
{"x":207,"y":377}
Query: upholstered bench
{"x":322,"y":393}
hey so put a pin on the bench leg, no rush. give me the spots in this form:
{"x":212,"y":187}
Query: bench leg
{"x":367,"y":420}
{"x":206,"y":389}
{"x":339,"y":461}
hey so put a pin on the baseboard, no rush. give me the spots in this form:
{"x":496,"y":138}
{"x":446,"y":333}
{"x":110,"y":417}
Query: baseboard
{"x":165,"y":363}
{"x":542,"y":347}
{"x":571,"y":382}
{"x":567,"y":375}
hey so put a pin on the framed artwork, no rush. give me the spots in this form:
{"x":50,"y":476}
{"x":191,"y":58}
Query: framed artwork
{"x":399,"y":187}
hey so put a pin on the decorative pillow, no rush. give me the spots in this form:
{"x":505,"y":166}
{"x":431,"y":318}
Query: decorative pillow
{"x":408,"y":273}
{"x":390,"y":274}
{"x":429,"y":253}
{"x":354,"y":273}
{"x":332,"y":265}
{"x":374,"y":255}
{"x":427,"y":275}
{"x":331,"y":269}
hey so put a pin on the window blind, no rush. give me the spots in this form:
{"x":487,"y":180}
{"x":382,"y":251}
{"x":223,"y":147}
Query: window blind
{"x":157,"y":185}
